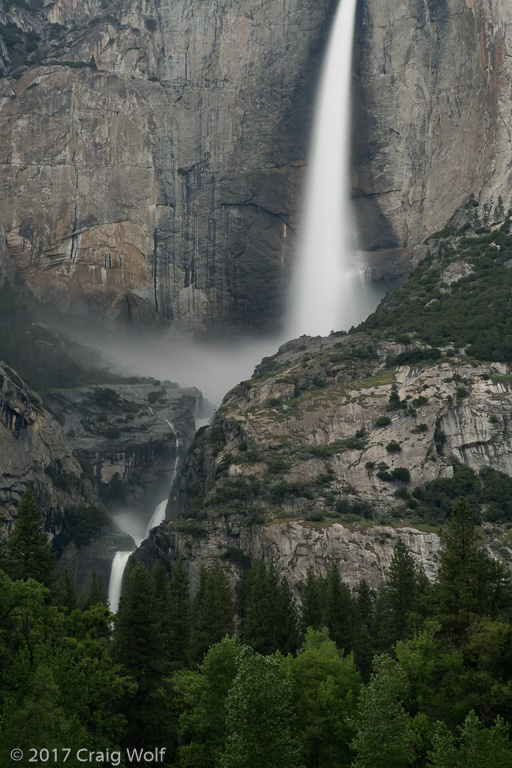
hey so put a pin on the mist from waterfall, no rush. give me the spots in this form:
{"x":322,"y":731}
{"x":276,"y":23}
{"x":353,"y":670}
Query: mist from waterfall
{"x":329,"y":290}
{"x":134,"y":525}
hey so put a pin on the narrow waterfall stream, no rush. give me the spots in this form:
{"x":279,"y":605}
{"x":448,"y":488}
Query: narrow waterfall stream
{"x":131,"y":525}
{"x":329,"y":290}
{"x":116,"y":579}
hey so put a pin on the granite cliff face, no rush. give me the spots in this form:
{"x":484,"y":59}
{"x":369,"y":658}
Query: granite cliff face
{"x":328,"y":432}
{"x":165,"y":185}
{"x":114,"y":448}
{"x":293,"y":547}
{"x":33,"y":450}
{"x":129,"y":436}
{"x":433,"y":117}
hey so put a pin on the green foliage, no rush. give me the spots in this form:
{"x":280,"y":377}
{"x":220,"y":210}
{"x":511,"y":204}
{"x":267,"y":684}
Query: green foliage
{"x":384,"y":730}
{"x":487,"y":495}
{"x":27,"y":554}
{"x":212,"y":611}
{"x":399,"y":598}
{"x":269,"y":618}
{"x":202,"y":721}
{"x":338,"y":609}
{"x":417,"y":355}
{"x":326,"y":686}
{"x":475,"y":747}
{"x":259,"y":716}
{"x":82,"y":526}
{"x":66,"y":481}
{"x":280,"y":491}
{"x":473,"y":313}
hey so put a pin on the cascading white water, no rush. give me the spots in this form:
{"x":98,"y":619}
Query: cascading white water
{"x":116,"y":579}
{"x":329,"y":291}
{"x":130,"y":524}
{"x":157,"y":517}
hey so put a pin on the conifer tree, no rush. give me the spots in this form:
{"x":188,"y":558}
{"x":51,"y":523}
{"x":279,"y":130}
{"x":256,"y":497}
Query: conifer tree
{"x":96,"y":593}
{"x":399,"y":598}
{"x":458,"y":590}
{"x":213,"y":611}
{"x":338,"y":609}
{"x":179,"y":615}
{"x":28,"y":554}
{"x":364,"y":629}
{"x":286,"y":619}
{"x":159,"y":580}
{"x":138,"y":648}
{"x":311,"y":603}
{"x":66,"y":593}
{"x":258,"y":609}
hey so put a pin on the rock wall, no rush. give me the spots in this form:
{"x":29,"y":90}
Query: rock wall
{"x":433,"y":117}
{"x":293,"y":547}
{"x":32,"y":448}
{"x":165,"y":185}
{"x":130,"y":436}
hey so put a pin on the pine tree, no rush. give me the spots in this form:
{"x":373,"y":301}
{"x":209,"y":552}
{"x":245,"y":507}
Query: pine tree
{"x":458,"y":591}
{"x":138,"y":648}
{"x":66,"y":593}
{"x":28,"y":554}
{"x":364,"y":629}
{"x":499,"y":211}
{"x":398,"y":598}
{"x":311,"y":603}
{"x":96,"y":593}
{"x":258,"y":611}
{"x":286,"y":619}
{"x":179,"y":615}
{"x":213,"y":611}
{"x":338,"y":609}
{"x":159,"y":580}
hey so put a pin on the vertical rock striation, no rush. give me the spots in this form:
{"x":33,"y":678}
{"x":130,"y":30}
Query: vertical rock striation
{"x":433,"y":118}
{"x":165,"y":185}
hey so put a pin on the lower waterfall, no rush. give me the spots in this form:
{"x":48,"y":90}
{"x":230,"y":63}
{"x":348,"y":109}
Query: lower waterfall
{"x":130,"y":524}
{"x":119,"y":564}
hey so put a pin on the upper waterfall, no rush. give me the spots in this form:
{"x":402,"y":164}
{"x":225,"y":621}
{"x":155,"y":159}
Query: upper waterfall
{"x":328,"y":289}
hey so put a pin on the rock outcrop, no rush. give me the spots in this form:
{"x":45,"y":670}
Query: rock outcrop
{"x":166,"y":183}
{"x":322,"y":420}
{"x":33,"y":452}
{"x":432,"y":118}
{"x":129,"y":436}
{"x":292,"y":547}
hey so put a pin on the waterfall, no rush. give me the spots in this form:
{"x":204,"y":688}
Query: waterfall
{"x":132,"y":526}
{"x":116,"y":579}
{"x":328,"y":291}
{"x":157,"y":517}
